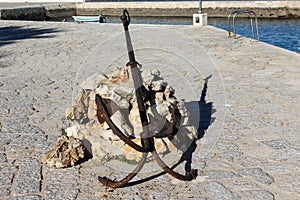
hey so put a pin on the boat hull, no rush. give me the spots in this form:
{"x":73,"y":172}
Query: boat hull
{"x":86,"y":18}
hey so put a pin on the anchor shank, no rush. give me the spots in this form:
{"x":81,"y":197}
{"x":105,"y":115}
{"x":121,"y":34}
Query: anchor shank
{"x":146,"y":137}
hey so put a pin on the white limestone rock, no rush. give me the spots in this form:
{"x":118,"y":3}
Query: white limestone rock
{"x":166,"y":115}
{"x":65,"y":153}
{"x":93,"y":82}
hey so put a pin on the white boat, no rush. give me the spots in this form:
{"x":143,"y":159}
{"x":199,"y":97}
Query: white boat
{"x":100,"y":18}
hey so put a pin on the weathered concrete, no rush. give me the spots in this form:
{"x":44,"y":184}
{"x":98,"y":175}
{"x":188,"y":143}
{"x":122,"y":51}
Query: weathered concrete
{"x":250,"y":150}
{"x":24,"y":13}
{"x":59,"y":11}
{"x":264,"y":9}
{"x":36,"y":12}
{"x":41,"y":1}
{"x":200,"y":19}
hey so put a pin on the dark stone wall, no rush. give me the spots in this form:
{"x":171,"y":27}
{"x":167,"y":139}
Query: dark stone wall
{"x":55,"y":12}
{"x":26,"y":13}
{"x":186,"y":12}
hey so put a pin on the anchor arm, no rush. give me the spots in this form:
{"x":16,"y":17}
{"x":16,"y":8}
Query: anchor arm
{"x":188,"y":177}
{"x":103,"y":115}
{"x":115,"y":184}
{"x":147,"y":139}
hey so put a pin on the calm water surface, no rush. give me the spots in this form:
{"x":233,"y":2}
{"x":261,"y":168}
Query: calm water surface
{"x":284,"y":33}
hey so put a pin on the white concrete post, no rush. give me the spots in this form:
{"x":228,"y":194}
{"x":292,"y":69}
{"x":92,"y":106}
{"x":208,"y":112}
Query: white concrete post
{"x":200,"y":19}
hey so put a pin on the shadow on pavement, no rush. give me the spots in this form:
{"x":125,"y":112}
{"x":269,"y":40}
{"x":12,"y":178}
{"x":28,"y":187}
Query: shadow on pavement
{"x":204,"y":120}
{"x":11,"y":34}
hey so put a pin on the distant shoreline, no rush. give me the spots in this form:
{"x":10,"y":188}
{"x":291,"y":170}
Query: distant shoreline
{"x":46,"y":11}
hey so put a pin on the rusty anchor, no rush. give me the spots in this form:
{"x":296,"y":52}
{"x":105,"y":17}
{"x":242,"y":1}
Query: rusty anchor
{"x":104,"y":113}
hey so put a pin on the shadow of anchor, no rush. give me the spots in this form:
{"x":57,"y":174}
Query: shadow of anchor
{"x":203,"y":122}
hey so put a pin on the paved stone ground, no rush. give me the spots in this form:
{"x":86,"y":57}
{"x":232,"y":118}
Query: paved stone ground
{"x":250,"y":151}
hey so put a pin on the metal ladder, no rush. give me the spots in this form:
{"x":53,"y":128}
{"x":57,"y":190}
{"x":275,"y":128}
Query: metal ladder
{"x":251,"y":14}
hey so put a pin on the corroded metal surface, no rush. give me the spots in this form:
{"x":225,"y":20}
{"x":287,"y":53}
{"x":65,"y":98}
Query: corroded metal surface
{"x":147,"y":138}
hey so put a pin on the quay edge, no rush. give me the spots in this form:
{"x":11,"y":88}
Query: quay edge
{"x":51,"y":11}
{"x":263,"y":9}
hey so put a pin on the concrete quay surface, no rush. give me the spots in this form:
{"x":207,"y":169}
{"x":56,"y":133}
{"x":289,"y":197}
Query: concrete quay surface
{"x":251,"y":149}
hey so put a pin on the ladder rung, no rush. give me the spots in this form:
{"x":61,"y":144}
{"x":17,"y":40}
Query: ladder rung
{"x":251,"y":14}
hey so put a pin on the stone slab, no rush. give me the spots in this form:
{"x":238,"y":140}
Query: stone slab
{"x":250,"y":148}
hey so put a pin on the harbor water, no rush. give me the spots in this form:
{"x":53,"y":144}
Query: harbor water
{"x":284,"y":33}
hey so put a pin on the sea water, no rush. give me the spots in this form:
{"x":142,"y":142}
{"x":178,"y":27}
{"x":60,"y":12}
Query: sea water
{"x":284,"y":33}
